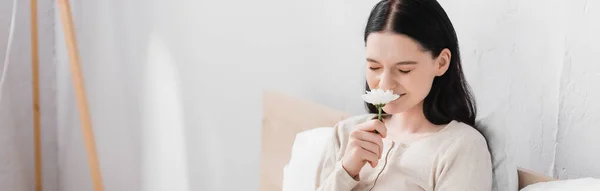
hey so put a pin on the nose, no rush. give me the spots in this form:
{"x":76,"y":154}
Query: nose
{"x":387,"y":82}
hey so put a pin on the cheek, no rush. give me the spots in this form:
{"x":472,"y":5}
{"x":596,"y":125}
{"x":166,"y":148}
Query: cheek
{"x":420,"y":83}
{"x":372,"y":79}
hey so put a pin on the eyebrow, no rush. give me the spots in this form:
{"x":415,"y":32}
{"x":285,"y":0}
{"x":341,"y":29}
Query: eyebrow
{"x":398,"y":63}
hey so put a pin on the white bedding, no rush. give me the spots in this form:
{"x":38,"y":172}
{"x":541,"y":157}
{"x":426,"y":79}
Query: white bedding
{"x":300,"y":172}
{"x":582,"y":184}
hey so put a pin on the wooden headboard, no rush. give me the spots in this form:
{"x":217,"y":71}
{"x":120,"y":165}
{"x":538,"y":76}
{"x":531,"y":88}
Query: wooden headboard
{"x":285,"y":116}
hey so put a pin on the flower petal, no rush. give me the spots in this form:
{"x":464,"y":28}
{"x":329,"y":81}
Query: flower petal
{"x":379,"y":96}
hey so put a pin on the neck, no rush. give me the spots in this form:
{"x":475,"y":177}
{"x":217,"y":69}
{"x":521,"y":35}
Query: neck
{"x":410,"y":121}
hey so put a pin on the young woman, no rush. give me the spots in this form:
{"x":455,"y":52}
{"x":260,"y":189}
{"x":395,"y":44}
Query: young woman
{"x":428,"y":140}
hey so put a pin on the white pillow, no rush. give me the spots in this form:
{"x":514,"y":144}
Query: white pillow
{"x":300,"y":172}
{"x":504,"y":169}
{"x":582,"y":184}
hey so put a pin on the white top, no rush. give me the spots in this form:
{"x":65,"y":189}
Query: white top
{"x":454,"y":159}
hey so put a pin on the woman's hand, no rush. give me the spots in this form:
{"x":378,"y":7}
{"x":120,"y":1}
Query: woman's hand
{"x":364,"y":145}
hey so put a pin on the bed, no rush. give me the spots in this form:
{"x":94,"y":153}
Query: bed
{"x":276,"y":142}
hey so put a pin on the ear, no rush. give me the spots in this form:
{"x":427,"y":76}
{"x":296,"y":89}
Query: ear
{"x":443,"y":62}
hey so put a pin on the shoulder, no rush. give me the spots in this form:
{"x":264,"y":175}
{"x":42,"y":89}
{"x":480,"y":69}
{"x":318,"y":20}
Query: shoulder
{"x":466,"y":162}
{"x":468,"y":132}
{"x":461,"y":136}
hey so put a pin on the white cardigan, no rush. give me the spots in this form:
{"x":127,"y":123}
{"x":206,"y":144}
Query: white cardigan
{"x":454,"y":159}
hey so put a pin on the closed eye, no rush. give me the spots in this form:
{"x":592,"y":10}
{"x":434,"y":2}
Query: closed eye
{"x":374,"y":68}
{"x":404,"y":71}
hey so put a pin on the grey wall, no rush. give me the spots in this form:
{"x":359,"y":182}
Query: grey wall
{"x":16,"y":108}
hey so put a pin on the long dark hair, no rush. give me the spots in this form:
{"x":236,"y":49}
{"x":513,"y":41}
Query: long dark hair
{"x":427,"y":23}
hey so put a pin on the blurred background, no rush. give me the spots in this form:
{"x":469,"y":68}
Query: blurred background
{"x":175,"y":87}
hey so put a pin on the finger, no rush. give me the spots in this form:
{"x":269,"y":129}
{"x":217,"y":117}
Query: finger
{"x":370,"y":137}
{"x":374,"y":125}
{"x":369,"y":157}
{"x":371,"y":147}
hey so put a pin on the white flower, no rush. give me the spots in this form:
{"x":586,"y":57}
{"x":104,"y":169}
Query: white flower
{"x":378,"y":97}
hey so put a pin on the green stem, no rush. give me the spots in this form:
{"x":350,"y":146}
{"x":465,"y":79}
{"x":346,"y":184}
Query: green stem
{"x":379,"y":109}
{"x":379,"y":116}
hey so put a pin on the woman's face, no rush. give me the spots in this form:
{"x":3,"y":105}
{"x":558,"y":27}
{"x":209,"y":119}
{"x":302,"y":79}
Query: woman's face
{"x":398,"y":63}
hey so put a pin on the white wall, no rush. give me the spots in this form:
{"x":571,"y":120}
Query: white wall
{"x":16,"y":116}
{"x":579,"y":114}
{"x":532,"y":62}
{"x":513,"y":62}
{"x":227,"y":52}
{"x":529,"y":62}
{"x":208,"y":55}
